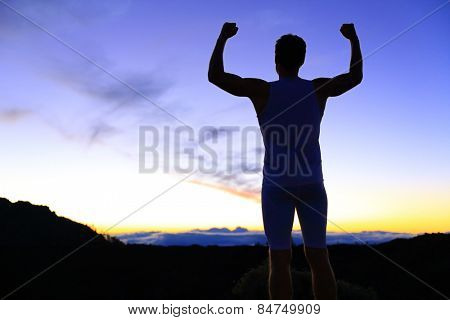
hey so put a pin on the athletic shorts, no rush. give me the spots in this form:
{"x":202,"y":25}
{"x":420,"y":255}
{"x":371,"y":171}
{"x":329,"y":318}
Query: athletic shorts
{"x":278,"y":208}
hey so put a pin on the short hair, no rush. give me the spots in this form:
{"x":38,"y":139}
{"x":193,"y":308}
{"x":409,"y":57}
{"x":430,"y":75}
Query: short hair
{"x":290,"y":51}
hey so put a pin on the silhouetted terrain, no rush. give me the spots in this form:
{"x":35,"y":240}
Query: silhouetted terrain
{"x":32,"y":238}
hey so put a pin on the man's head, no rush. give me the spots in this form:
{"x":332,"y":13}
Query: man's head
{"x":290,"y":53}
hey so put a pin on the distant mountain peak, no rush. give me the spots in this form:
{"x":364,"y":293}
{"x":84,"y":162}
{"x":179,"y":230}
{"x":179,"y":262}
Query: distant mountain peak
{"x":239,"y":230}
{"x":222,"y":230}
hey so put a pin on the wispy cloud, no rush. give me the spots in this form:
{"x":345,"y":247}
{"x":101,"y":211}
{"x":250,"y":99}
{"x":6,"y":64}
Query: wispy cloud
{"x":106,"y":94}
{"x":89,"y":80}
{"x":114,"y":104}
{"x":243,"y":192}
{"x":102,"y":130}
{"x":67,"y":14}
{"x":226,"y":158}
{"x":13,"y":114}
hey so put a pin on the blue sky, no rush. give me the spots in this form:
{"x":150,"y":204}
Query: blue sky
{"x":385,"y":144}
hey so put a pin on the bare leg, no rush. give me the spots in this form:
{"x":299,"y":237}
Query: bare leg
{"x":323,"y":280}
{"x":280,"y":281}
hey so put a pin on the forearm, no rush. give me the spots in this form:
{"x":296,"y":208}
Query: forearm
{"x":356,"y":63}
{"x":216,"y":67}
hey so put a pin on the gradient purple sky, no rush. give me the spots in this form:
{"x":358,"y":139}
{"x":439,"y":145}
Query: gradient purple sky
{"x":69,"y":132}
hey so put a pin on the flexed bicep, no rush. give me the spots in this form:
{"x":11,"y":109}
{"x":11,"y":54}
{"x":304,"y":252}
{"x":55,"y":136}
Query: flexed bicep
{"x":332,"y":87}
{"x":241,"y":87}
{"x":255,"y":89}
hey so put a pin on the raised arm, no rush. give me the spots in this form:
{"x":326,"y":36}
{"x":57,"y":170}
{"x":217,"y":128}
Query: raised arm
{"x":332,"y":87}
{"x":255,"y":89}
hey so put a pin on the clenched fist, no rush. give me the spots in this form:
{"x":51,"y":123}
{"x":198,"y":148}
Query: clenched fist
{"x":348,"y":31}
{"x":229,"y":29}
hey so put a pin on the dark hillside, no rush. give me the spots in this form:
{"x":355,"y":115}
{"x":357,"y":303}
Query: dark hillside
{"x":32,"y":238}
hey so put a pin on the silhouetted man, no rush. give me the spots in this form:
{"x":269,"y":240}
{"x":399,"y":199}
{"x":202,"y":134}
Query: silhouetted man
{"x":289,"y":113}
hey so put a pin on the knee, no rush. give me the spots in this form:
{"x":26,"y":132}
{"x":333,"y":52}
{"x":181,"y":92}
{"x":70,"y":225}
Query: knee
{"x":280,"y":259}
{"x":317,"y":257}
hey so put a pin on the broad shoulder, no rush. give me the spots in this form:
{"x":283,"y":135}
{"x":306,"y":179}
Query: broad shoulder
{"x":257,"y":83}
{"x":320,"y":83}
{"x":259,"y":96}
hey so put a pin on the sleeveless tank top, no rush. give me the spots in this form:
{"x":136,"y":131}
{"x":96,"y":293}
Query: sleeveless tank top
{"x":290,"y":126}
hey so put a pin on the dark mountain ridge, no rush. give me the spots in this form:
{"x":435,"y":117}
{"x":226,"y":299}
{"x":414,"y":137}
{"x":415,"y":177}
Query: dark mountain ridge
{"x":25,"y":224}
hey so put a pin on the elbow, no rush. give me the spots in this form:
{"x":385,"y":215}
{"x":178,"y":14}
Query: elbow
{"x":213,"y":77}
{"x":358,"y":78}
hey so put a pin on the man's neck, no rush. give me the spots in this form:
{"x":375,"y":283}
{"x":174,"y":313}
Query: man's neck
{"x":288,"y":76}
